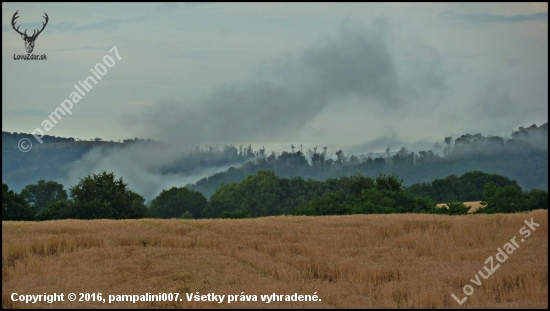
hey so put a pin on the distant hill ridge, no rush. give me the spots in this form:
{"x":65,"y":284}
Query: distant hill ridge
{"x":522,"y":157}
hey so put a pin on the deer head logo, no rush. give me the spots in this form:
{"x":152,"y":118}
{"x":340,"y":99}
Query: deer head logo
{"x":29,"y":40}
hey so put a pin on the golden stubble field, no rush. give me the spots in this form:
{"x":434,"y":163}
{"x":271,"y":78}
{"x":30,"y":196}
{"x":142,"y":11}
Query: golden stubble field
{"x":359,"y":261}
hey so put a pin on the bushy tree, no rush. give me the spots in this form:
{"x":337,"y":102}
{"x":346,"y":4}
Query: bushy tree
{"x":14,"y":206}
{"x":457,"y":208}
{"x":174,"y":202}
{"x":356,"y":183}
{"x":240,"y":214}
{"x":332,"y":203}
{"x":44,"y":193}
{"x":187,"y":215}
{"x":364,"y":196}
{"x":266,"y":194}
{"x":538,"y":199}
{"x":260,"y":194}
{"x":389,"y":182}
{"x":99,"y":196}
{"x":57,"y":210}
{"x":509,"y":199}
{"x":374,"y":201}
{"x":468,"y":187}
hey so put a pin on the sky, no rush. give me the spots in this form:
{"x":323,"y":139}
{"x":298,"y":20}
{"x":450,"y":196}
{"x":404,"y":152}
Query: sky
{"x":356,"y":76}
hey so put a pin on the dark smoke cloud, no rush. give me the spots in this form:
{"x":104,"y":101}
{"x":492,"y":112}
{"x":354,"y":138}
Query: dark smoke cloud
{"x":280,"y":99}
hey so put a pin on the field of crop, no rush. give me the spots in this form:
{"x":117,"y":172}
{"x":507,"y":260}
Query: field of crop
{"x":358,"y":261}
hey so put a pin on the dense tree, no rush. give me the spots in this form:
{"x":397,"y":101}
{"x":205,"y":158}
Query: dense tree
{"x":390,"y":183}
{"x":388,"y":201}
{"x":468,"y":187}
{"x":384,"y":196}
{"x":175,"y":202}
{"x":260,"y":194}
{"x":537,"y":199}
{"x":187,"y":215}
{"x":240,"y":214}
{"x":506,"y":199}
{"x":14,"y":206}
{"x":332,"y":203}
{"x":456,"y":208}
{"x":102,"y":196}
{"x":345,"y":195}
{"x":44,"y":193}
{"x":509,"y":199}
{"x":356,"y":183}
{"x":57,"y":210}
{"x":266,"y":194}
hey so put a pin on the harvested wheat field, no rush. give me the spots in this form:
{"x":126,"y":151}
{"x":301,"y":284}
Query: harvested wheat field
{"x":359,"y":261}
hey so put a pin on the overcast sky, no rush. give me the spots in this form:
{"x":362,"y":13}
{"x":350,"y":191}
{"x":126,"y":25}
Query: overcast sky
{"x":350,"y":75}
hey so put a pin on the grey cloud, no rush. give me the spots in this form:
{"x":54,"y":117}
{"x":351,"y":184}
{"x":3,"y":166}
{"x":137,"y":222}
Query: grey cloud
{"x":106,"y":25}
{"x":280,"y":99}
{"x":498,"y":110}
{"x":356,"y":64}
{"x":493,"y":18}
{"x":210,"y":54}
{"x":392,"y":141}
{"x":85,"y":48}
{"x":143,"y":167}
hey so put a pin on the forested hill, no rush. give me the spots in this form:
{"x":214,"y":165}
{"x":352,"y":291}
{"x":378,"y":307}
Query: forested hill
{"x":523,"y":157}
{"x":54,"y":159}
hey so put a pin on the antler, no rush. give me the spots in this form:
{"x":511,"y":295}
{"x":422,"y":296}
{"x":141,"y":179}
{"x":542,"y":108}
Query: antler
{"x":34,"y":34}
{"x":13,"y":24}
{"x":43,"y":25}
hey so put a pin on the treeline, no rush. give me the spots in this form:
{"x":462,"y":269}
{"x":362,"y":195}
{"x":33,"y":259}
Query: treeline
{"x":524,"y":158}
{"x":52,"y":159}
{"x":468,"y":187}
{"x":266,"y":194}
{"x":96,"y":196}
{"x":102,"y":196}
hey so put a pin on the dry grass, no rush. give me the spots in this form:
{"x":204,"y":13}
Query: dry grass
{"x":474,"y":206}
{"x":359,"y":261}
